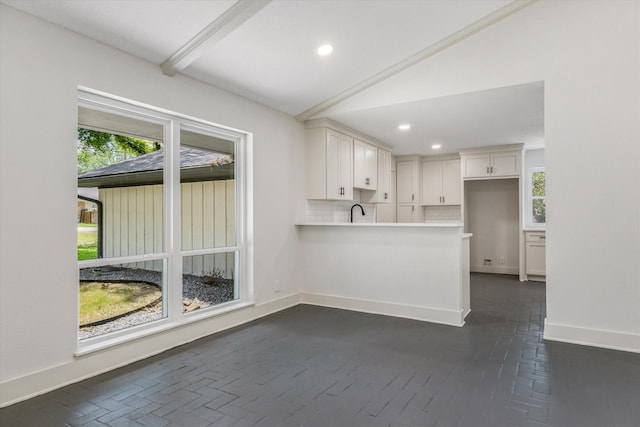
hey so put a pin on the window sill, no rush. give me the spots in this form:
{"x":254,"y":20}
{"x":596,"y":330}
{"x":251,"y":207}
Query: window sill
{"x":96,"y":344}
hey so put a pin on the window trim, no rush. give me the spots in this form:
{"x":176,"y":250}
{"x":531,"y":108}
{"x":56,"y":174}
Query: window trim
{"x":530,"y":197}
{"x":172,"y":253}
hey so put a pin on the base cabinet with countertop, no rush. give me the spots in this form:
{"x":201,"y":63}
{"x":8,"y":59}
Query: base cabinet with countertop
{"x":535,"y":258}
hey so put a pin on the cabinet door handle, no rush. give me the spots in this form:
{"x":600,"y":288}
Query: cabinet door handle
{"x":386,"y":196}
{"x":413,"y":208}
{"x":491,"y":169}
{"x":413,"y":197}
{"x":366,"y":181}
{"x":488,"y":170}
{"x":442,"y":199}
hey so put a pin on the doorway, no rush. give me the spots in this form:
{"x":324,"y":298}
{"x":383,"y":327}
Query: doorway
{"x":492,"y":215}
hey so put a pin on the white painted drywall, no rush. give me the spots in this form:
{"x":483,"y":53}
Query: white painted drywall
{"x":534,"y":158}
{"x":41,"y":67}
{"x":588,"y":55}
{"x":492,"y":216}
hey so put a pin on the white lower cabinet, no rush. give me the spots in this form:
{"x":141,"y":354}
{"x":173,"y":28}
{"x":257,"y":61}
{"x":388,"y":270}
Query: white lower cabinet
{"x":535,"y":242}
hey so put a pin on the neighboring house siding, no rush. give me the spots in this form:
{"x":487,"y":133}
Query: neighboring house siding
{"x":133,"y":223}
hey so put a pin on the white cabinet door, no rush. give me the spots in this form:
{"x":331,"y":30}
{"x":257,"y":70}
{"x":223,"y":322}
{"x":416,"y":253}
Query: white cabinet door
{"x":406,"y":172}
{"x":451,"y":183}
{"x":498,"y":164}
{"x":476,"y":165}
{"x":334,"y":186}
{"x":405,"y":213}
{"x":346,"y":167}
{"x":384,"y":177}
{"x":365,"y":166}
{"x":441,"y":183}
{"x":339,"y":158}
{"x":432,"y":183}
{"x":505,"y":164}
{"x":536,"y":259}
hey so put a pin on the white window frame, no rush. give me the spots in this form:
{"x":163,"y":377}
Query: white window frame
{"x":531,"y":197}
{"x":172,"y":254}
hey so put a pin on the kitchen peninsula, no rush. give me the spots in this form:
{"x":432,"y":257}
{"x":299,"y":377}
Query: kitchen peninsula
{"x":413,"y":270}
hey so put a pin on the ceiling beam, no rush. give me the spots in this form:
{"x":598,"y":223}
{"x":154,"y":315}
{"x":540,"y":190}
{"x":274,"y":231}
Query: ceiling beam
{"x":443,"y":44}
{"x":231,"y":19}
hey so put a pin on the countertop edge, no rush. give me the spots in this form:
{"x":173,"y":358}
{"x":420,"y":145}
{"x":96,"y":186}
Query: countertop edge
{"x":381,"y":224}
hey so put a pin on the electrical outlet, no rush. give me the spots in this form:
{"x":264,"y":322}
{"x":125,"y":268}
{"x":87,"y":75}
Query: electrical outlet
{"x":501,"y":260}
{"x":276,"y":286}
{"x":487,"y":261}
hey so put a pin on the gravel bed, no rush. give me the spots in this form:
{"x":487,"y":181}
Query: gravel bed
{"x":196,"y":291}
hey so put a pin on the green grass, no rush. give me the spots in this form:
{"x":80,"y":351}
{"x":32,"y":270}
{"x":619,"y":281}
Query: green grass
{"x":82,"y":224}
{"x":100,"y":301}
{"x":87,"y":244}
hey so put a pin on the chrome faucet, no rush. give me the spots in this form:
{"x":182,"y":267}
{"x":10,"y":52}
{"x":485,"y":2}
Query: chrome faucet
{"x":351,"y":216}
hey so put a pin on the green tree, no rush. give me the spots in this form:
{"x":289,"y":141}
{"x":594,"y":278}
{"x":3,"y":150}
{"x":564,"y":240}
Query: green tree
{"x":97,"y":149}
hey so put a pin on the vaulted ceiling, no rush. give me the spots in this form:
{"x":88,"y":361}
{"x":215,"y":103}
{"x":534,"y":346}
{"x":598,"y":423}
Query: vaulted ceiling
{"x":266,"y":51}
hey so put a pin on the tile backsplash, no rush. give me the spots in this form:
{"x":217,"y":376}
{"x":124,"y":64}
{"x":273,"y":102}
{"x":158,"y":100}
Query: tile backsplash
{"x":442,"y":213}
{"x":338,"y":211}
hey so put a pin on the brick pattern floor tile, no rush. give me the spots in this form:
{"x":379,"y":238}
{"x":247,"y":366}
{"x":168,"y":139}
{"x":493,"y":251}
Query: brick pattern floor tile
{"x":314,"y":366}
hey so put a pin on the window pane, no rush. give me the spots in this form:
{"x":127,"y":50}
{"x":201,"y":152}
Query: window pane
{"x":89,"y":229}
{"x":207,"y":186}
{"x":122,"y":177}
{"x":538,"y":184}
{"x":539,"y":211}
{"x":117,"y":297}
{"x":208,"y":280}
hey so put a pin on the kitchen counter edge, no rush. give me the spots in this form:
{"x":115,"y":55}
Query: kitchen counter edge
{"x":382,"y":224}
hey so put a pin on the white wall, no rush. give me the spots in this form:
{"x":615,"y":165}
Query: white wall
{"x":588,"y":55}
{"x":41,"y":67}
{"x":534,"y":158}
{"x":492,"y":216}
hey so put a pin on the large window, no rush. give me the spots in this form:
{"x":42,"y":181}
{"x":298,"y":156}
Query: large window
{"x":160,"y":218}
{"x":536,"y":197}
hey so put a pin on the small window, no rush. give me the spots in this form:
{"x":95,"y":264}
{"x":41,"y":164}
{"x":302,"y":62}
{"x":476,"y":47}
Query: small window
{"x":537,"y":197}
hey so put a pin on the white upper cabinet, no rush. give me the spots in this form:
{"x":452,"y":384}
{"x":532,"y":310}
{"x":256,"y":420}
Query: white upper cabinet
{"x":329,"y":165}
{"x":406,"y":181}
{"x":408,"y":194}
{"x":491,"y":164}
{"x":441,"y":182}
{"x":383,"y":195}
{"x":365,"y":166}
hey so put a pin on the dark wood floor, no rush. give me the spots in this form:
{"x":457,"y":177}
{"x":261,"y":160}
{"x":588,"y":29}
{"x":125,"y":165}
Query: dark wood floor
{"x":316,"y":366}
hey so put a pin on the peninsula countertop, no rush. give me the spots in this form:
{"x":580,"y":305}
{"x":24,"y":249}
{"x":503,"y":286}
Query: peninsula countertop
{"x":383,"y":224}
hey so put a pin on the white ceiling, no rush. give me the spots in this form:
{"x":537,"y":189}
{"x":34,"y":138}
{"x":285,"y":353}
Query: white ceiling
{"x":270,"y":58}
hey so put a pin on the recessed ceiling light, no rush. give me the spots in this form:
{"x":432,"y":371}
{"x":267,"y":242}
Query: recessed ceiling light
{"x":404,"y":126}
{"x":436,"y":146}
{"x":325,"y":49}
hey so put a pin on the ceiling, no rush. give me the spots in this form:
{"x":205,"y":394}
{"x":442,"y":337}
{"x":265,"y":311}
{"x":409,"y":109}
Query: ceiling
{"x":265,"y":51}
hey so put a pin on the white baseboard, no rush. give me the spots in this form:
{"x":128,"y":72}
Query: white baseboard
{"x":592,"y":337}
{"x":426,"y":314}
{"x":495,"y":269}
{"x":34,"y":384}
